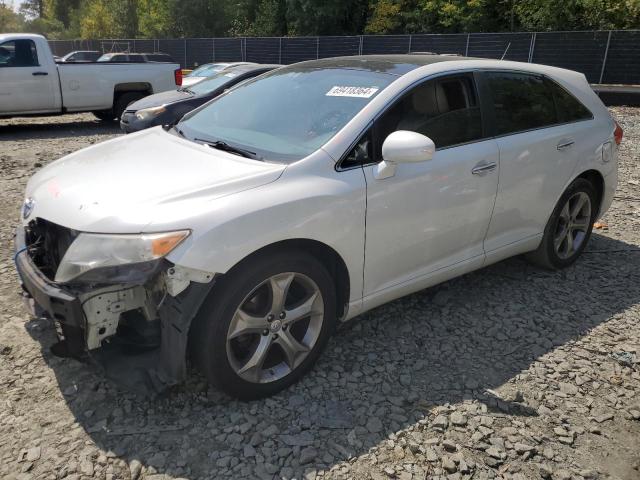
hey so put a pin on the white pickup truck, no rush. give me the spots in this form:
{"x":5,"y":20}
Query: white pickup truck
{"x":32,"y":83}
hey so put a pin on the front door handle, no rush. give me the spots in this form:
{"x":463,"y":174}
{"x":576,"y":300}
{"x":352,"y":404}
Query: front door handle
{"x":565,"y":144}
{"x":484,"y":168}
{"x":38,"y":74}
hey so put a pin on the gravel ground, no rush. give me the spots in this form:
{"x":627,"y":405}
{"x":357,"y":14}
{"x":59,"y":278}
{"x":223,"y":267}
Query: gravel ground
{"x":533,"y":375}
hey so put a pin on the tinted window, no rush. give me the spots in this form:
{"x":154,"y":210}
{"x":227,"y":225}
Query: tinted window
{"x":445,"y":110}
{"x":361,"y":154}
{"x":159,"y":57}
{"x":289,"y":113}
{"x":521,"y":102}
{"x":569,"y":107}
{"x":18,"y":53}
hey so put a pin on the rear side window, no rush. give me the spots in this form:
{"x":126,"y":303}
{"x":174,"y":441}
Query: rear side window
{"x":521,"y":102}
{"x":570,"y":109}
{"x":18,"y":53}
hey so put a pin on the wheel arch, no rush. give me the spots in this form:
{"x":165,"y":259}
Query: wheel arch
{"x":120,"y":88}
{"x":328,"y":256}
{"x":597,"y":180}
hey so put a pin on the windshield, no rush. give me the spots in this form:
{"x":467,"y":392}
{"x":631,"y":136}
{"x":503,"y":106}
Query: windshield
{"x":212,"y":83}
{"x":287,"y":114}
{"x":206,"y":70}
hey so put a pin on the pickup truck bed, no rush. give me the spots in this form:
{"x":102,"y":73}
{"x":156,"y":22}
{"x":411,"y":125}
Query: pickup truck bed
{"x":32,"y":83}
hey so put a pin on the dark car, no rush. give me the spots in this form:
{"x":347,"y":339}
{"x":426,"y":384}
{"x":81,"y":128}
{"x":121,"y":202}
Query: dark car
{"x":169,"y":107}
{"x":81,"y":56}
{"x":136,"y":57}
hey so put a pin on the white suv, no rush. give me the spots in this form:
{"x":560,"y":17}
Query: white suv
{"x":303,"y":198}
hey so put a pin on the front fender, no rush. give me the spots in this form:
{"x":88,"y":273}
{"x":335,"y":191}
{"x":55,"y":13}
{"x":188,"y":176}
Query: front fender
{"x":326,"y":206}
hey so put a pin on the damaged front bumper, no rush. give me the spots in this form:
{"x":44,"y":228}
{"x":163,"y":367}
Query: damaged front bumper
{"x":91,"y":318}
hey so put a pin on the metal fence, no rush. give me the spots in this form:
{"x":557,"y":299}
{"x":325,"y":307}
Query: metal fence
{"x":610,"y":57}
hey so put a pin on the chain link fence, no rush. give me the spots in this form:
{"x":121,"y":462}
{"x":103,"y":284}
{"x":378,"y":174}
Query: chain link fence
{"x":606,"y":57}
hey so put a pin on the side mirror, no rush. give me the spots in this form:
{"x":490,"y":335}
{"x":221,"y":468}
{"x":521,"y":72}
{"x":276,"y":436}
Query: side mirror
{"x":403,"y":146}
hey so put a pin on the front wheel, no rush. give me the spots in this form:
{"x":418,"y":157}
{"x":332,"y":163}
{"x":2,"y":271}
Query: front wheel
{"x":569,"y":227}
{"x":265,"y":324}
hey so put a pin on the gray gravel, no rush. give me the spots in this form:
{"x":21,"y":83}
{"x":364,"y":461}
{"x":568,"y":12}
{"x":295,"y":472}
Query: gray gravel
{"x":510,"y":372}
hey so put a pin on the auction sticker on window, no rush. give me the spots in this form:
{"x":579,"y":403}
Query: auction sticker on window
{"x":358,"y":92}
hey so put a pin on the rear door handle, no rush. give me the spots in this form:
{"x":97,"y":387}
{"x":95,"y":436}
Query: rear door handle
{"x":563,"y":145}
{"x":38,"y":74}
{"x":484,"y":168}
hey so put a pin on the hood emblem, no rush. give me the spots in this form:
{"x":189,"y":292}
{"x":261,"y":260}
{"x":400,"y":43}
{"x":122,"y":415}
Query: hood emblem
{"x":27,"y":207}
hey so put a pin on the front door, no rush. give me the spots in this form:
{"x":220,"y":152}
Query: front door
{"x":434,"y":214}
{"x":25,"y":85}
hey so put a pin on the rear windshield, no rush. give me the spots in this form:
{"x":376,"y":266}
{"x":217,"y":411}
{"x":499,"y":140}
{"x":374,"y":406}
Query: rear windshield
{"x":287,"y":114}
{"x":205,"y":70}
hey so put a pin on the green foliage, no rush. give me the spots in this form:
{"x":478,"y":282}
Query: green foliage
{"x":10,"y":21}
{"x":210,"y":18}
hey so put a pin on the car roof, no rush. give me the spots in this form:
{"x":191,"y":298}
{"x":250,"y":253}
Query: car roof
{"x":394,"y":64}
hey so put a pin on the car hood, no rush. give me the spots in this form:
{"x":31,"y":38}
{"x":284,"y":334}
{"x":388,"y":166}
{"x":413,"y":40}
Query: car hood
{"x":142,"y":182}
{"x":159,"y":99}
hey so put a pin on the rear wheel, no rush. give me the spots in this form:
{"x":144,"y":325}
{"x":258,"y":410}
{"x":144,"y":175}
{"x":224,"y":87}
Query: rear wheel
{"x":264,"y":326}
{"x":569,"y":227}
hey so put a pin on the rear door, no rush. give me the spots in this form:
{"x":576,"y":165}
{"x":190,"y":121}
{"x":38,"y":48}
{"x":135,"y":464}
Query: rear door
{"x":539,"y":143}
{"x":25,"y":85}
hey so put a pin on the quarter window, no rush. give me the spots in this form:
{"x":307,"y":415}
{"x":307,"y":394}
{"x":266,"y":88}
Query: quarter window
{"x":18,"y":53}
{"x":569,"y":107}
{"x":521,"y":102}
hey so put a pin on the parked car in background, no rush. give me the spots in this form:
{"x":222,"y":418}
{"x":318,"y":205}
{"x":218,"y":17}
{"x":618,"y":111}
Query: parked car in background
{"x":31,"y":82}
{"x":135,"y":57}
{"x":81,"y":56}
{"x":244,"y":234}
{"x":207,"y":70}
{"x":167,"y":108}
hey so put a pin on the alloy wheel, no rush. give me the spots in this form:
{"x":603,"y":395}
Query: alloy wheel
{"x":275,"y":327}
{"x":573,"y":225}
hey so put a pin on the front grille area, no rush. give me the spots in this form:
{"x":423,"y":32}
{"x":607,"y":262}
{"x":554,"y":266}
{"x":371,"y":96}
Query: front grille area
{"x":47,"y":243}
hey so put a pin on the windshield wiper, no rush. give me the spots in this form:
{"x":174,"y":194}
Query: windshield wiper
{"x":224,"y":146}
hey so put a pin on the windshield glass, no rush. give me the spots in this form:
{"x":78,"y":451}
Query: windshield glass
{"x":287,"y":114}
{"x":206,"y":70}
{"x":212,"y":83}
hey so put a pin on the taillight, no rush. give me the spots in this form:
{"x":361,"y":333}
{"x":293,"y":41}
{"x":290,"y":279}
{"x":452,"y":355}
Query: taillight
{"x":617,"y":133}
{"x":178,"y":76}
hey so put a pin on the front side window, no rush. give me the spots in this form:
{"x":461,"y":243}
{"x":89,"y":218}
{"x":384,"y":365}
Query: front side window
{"x":444,"y":109}
{"x":288,"y":113}
{"x":521,"y":102}
{"x":18,"y":53}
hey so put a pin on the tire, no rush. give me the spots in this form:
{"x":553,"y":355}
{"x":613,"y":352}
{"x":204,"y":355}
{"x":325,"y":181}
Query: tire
{"x":123,"y":101}
{"x":238,"y":338}
{"x":565,"y":235}
{"x":104,"y":115}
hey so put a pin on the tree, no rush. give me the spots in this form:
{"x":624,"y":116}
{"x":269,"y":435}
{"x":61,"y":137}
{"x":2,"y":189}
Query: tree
{"x":385,"y":17}
{"x":32,"y":8}
{"x":10,"y":21}
{"x":97,"y":21}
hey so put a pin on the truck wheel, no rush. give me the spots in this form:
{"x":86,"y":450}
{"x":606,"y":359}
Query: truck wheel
{"x":265,"y":324}
{"x":104,"y":115}
{"x":569,"y":227}
{"x":123,"y":101}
